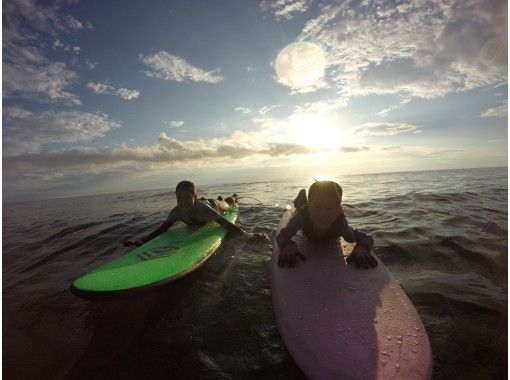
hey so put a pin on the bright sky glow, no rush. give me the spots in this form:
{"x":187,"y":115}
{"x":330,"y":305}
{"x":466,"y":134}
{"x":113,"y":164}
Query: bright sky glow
{"x":117,"y":95}
{"x":316,"y":131}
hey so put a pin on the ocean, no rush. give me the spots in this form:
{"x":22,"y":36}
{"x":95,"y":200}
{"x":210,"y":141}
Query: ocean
{"x":442,"y":234}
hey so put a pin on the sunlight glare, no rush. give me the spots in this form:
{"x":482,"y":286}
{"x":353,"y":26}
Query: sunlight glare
{"x":315,"y":131}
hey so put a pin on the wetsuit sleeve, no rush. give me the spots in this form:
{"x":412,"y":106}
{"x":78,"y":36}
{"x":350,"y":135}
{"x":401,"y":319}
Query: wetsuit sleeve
{"x":206,"y":213}
{"x":173,"y":216}
{"x":352,"y":235}
{"x":285,"y":236}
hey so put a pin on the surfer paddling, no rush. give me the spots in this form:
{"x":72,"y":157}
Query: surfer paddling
{"x":321,"y":219}
{"x":193,"y":212}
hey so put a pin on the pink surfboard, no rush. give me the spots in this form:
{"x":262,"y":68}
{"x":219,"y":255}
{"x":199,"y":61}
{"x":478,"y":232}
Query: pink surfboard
{"x":341,"y":322}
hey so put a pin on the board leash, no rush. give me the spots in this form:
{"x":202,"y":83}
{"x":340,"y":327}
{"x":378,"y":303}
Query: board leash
{"x":255,"y":199}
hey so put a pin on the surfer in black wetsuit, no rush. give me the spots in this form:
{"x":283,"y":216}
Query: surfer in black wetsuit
{"x":321,"y":219}
{"x":193,"y":212}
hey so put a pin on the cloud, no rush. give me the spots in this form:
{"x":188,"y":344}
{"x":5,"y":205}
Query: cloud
{"x":127,"y":94}
{"x":244,"y":110}
{"x":73,"y":23}
{"x":90,"y":64}
{"x":26,"y":132}
{"x":174,"y":123}
{"x":354,"y":149}
{"x":386,"y":111}
{"x":26,"y":71}
{"x":60,"y":45}
{"x":163,"y":65}
{"x":123,"y":93}
{"x":421,"y":151}
{"x":384,"y":129}
{"x":261,"y":111}
{"x":168,"y":152}
{"x":322,"y":106}
{"x":390,"y":148}
{"x":265,"y":109}
{"x":100,"y":88}
{"x":285,"y":9}
{"x":42,"y":18}
{"x":501,"y":112}
{"x":45,"y":82}
{"x":423,"y":49}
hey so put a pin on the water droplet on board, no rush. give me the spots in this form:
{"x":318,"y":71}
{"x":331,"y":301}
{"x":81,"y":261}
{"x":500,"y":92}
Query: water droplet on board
{"x":415,"y":350}
{"x":397,"y":365}
{"x":385,"y":353}
{"x":383,"y":362}
{"x":389,"y":337}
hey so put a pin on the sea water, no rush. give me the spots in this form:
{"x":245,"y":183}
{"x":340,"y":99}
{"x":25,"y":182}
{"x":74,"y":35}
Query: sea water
{"x":442,"y":234}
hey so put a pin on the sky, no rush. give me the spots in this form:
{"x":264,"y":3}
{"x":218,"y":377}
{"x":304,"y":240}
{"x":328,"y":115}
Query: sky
{"x":110,"y":96}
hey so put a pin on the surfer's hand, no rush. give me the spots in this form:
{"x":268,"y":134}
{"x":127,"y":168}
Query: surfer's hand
{"x":130,"y":243}
{"x":288,"y":255}
{"x":361,"y":257}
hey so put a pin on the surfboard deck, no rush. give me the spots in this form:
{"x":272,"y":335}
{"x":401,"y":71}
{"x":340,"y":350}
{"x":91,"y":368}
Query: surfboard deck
{"x":166,"y":258}
{"x":341,"y":322}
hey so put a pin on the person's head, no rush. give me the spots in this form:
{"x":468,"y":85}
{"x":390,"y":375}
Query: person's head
{"x":232,"y":199}
{"x":324,"y":203}
{"x":186,"y":195}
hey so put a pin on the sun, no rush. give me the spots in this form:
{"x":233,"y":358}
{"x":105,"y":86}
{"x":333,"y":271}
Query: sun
{"x":316,"y":131}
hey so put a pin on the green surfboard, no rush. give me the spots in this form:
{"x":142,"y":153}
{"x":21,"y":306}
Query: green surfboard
{"x":166,"y":258}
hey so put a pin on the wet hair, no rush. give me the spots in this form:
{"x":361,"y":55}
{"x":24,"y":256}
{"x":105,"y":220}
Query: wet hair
{"x":322,"y":189}
{"x":185,"y":185}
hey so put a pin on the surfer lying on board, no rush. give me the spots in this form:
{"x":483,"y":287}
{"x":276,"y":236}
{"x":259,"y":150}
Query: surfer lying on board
{"x":321,"y":218}
{"x":193,"y":212}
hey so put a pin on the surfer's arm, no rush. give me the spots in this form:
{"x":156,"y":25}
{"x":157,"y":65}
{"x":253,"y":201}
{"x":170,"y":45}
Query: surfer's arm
{"x":231,"y":227}
{"x":364,"y":244}
{"x":289,"y":250}
{"x":353,"y":235}
{"x":207,"y":214}
{"x":284,"y":238}
{"x":165,"y":226}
